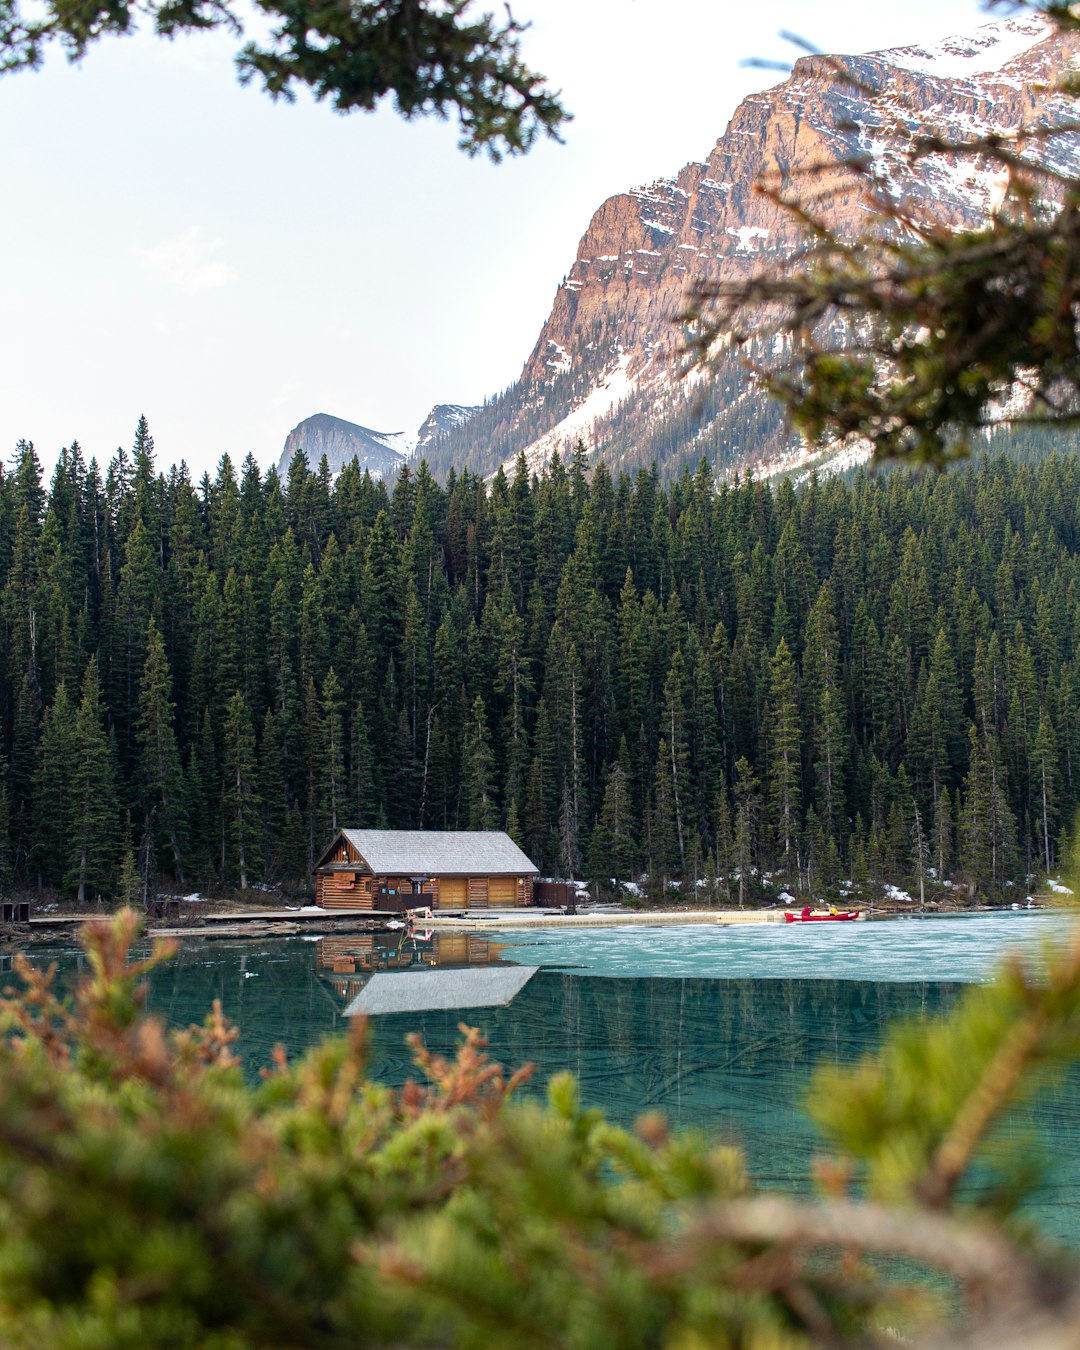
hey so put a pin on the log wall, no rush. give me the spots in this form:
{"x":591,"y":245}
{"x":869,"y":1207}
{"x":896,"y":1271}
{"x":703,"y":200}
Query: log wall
{"x":339,"y":888}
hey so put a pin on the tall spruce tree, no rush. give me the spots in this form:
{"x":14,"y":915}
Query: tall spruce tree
{"x":747,"y":818}
{"x":52,"y":789}
{"x":241,"y":796}
{"x":94,"y":806}
{"x":162,"y":798}
{"x":784,"y":754}
{"x":478,"y":770}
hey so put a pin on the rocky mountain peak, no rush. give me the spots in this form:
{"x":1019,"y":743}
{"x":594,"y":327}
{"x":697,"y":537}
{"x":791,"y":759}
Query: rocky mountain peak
{"x":605,"y":367}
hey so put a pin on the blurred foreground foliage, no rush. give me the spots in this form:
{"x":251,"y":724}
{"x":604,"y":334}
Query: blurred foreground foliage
{"x":149,"y":1197}
{"x":430,"y":57}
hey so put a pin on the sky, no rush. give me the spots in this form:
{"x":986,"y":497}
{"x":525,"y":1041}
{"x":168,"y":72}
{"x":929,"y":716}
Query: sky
{"x":177,"y":246}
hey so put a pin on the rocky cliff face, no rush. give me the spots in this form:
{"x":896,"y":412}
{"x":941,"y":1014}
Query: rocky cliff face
{"x":605,"y":366}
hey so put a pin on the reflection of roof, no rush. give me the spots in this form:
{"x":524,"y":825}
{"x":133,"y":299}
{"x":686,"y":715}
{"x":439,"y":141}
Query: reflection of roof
{"x":423,"y":990}
{"x":440,"y":852}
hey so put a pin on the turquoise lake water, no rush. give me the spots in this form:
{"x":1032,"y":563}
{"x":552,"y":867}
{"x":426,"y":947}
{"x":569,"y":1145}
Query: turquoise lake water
{"x":718,"y":1028}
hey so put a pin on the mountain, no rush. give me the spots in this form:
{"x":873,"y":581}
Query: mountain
{"x":441,"y":421}
{"x":382,"y":453}
{"x":605,"y":367}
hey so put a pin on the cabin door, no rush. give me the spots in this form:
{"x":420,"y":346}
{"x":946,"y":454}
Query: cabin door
{"x":503,"y":892}
{"x":453,"y":893}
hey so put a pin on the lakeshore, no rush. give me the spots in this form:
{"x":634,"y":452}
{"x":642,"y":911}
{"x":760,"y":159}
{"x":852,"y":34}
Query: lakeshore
{"x":199,"y":920}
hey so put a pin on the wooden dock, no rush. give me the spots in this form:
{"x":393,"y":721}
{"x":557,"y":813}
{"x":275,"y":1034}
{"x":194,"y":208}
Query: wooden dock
{"x":281,"y":922}
{"x":601,"y":919}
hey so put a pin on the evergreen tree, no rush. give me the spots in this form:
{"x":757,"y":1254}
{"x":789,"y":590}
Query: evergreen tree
{"x":784,"y":762}
{"x":274,"y":801}
{"x":747,"y":817}
{"x":1045,"y":764}
{"x":241,"y":797}
{"x":724,"y":833}
{"x":569,"y":840}
{"x":162,"y":798}
{"x":52,"y":788}
{"x":612,"y":851}
{"x":988,"y":828}
{"x":478,"y":771}
{"x":335,"y":792}
{"x":664,"y":861}
{"x":943,"y":835}
{"x":676,"y":716}
{"x":5,"y":829}
{"x":92,"y":846}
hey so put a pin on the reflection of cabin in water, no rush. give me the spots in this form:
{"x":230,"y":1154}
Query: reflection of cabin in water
{"x":347,"y":963}
{"x":407,"y":869}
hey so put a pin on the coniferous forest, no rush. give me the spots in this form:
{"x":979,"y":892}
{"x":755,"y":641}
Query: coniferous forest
{"x":876,"y":680}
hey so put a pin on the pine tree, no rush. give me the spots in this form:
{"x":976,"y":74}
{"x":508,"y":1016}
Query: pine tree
{"x":1045,"y":774}
{"x":135,"y":602}
{"x":747,"y":816}
{"x":664,"y":860}
{"x":611,"y":853}
{"x":942,"y":844}
{"x":724,"y":834}
{"x":784,"y":763}
{"x":988,"y":828}
{"x":274,"y":801}
{"x":361,"y":777}
{"x":5,"y":829}
{"x":569,"y":840}
{"x":92,"y":846}
{"x":162,"y":797}
{"x":380,"y":591}
{"x":676,"y":738}
{"x":128,"y":881}
{"x":333,"y":757}
{"x":241,"y":798}
{"x":52,"y":788}
{"x":478,"y":770}
{"x":537,"y":823}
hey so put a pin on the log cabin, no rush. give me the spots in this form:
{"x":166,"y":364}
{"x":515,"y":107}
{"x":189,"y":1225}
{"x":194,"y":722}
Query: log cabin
{"x":407,"y":869}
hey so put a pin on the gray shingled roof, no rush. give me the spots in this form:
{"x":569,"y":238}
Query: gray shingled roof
{"x":423,"y":990}
{"x":441,"y":853}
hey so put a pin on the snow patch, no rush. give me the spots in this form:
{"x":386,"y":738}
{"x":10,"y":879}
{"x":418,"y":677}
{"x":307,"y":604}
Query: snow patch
{"x":1058,"y":887}
{"x":615,"y":388}
{"x":895,"y":893}
{"x":559,"y":359}
{"x":990,"y":47}
{"x":747,"y":236}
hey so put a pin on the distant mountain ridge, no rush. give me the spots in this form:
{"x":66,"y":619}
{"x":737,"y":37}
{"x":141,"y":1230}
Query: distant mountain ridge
{"x":381,"y":453}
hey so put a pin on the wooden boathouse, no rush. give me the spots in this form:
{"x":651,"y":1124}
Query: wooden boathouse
{"x":407,"y":869}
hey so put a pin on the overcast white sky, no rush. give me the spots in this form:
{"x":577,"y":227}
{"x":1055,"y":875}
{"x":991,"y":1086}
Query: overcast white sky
{"x":177,"y":246}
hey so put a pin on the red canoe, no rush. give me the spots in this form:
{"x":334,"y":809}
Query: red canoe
{"x":806,"y":917}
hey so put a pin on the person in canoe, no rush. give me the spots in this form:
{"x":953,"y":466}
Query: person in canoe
{"x":805,"y":915}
